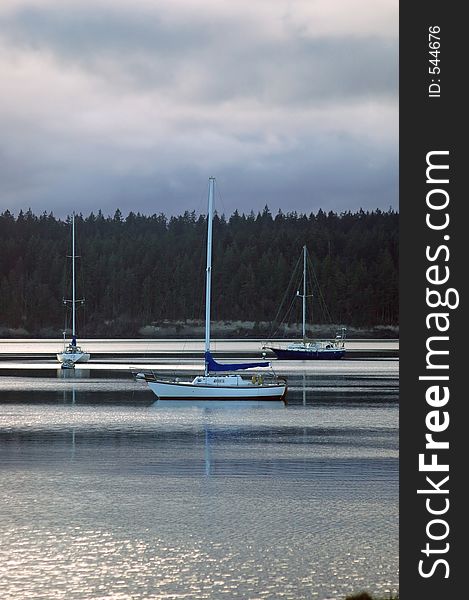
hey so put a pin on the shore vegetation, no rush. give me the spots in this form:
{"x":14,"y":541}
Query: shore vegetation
{"x":144,"y":275}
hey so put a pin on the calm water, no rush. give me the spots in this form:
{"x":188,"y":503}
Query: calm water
{"x":106,"y":495}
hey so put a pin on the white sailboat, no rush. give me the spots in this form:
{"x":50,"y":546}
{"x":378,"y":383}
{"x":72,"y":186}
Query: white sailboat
{"x":72,"y":353}
{"x":218,"y":383}
{"x":311,"y":349}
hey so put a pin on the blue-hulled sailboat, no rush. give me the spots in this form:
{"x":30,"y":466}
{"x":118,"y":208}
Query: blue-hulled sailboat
{"x":310,"y":349}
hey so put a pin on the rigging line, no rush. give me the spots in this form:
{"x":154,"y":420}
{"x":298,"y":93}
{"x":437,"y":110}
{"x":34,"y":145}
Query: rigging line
{"x":199,"y":303}
{"x":197,"y":296}
{"x":200,"y":246}
{"x":274,"y":322}
{"x":65,"y":280}
{"x":220,"y":197}
{"x":287,"y":314}
{"x":199,"y":291}
{"x":197,"y":251}
{"x":321,"y":300}
{"x":292,"y":301}
{"x":80,"y":305}
{"x":201,"y":207}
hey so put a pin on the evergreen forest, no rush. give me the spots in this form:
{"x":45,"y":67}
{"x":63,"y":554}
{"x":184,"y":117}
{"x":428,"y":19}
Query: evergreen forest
{"x":138,"y":270}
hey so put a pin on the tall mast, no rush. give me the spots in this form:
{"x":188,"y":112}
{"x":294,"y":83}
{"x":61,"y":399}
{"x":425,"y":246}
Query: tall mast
{"x":208,"y":275}
{"x":304,"y":293}
{"x":73,"y":274}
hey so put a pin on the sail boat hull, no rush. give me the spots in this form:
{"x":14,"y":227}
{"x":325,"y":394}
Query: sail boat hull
{"x":74,"y":357}
{"x":308,"y":354}
{"x":212,"y":391}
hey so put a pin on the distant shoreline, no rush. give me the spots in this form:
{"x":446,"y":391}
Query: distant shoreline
{"x":192,"y":329}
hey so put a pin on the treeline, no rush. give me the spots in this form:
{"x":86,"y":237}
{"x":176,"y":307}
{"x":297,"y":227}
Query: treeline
{"x":140,"y":270}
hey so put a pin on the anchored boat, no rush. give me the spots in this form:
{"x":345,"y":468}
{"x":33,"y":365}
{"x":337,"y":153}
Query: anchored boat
{"x":310,"y":349}
{"x":218,"y":383}
{"x":72,"y":353}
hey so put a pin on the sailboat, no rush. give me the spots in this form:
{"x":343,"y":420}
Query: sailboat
{"x":220,"y":382}
{"x":311,"y":349}
{"x":72,"y":353}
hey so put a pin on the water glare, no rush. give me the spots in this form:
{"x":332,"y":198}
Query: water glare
{"x":105,"y":494}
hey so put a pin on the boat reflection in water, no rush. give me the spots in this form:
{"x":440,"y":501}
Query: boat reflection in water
{"x":209,"y":404}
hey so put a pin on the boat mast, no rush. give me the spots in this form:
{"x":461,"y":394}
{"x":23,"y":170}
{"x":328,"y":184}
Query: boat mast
{"x":304,"y":293}
{"x":73,"y":275}
{"x":208,"y":275}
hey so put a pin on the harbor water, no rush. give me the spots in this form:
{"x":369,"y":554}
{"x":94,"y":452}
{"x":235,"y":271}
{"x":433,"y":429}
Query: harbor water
{"x":105,"y":494}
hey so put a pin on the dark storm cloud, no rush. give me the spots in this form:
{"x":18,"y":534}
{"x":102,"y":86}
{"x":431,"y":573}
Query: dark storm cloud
{"x":315,"y":175}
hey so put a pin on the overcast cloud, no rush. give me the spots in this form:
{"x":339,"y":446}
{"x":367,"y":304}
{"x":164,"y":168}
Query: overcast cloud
{"x":111,"y":104}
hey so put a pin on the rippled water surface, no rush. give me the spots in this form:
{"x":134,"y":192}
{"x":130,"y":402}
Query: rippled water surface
{"x":106,"y":495}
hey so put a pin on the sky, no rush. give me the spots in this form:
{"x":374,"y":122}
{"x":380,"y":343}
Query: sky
{"x":133,"y":104}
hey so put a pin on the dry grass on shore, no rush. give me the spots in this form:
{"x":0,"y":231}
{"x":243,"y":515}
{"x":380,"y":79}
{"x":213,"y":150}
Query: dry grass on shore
{"x":241,"y":329}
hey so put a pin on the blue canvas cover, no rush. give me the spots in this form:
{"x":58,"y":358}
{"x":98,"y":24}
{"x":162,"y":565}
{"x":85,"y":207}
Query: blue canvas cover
{"x":214,"y":366}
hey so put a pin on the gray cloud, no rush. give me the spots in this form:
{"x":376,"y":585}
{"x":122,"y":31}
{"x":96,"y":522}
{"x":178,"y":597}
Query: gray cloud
{"x":224,"y":61}
{"x":309,"y":178}
{"x":109,"y":107}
